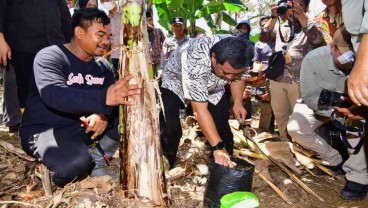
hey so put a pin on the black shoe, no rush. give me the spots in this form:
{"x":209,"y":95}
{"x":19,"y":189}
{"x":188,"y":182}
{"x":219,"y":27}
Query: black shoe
{"x":14,"y":128}
{"x":353,"y":191}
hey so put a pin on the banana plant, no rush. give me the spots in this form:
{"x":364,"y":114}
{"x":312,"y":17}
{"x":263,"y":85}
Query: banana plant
{"x":193,"y":10}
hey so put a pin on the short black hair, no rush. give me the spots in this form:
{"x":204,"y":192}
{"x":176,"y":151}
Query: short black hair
{"x":84,"y":18}
{"x":236,"y":50}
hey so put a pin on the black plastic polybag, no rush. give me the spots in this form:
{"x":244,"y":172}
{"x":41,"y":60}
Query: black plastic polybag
{"x":224,"y":180}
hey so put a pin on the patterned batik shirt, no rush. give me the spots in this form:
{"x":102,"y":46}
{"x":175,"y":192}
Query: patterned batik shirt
{"x":189,"y":74}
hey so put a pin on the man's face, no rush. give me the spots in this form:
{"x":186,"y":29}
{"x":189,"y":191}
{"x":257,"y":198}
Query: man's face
{"x":335,"y":52}
{"x":331,"y":2}
{"x":149,"y":21}
{"x":95,"y":39}
{"x":177,"y":28}
{"x":226,"y":71}
{"x":70,"y":3}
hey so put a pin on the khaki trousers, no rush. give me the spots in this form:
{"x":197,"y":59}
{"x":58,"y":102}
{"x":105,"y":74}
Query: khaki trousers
{"x":283,"y":99}
{"x":302,"y":126}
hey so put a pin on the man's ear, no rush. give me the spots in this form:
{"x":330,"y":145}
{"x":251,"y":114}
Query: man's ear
{"x":79,"y":32}
{"x":213,"y":58}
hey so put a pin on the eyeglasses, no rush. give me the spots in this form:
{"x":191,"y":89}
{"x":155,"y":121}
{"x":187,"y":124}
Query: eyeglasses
{"x":236,"y":76}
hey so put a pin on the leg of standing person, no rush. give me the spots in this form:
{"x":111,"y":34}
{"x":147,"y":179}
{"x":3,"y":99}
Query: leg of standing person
{"x":23,"y":66}
{"x":356,"y":172}
{"x":283,"y":100}
{"x":171,"y":131}
{"x":266,"y":118}
{"x":11,"y":108}
{"x":280,"y":106}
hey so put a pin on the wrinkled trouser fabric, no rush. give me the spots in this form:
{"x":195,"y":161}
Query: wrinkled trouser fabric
{"x":65,"y":152}
{"x":11,"y":109}
{"x":283,"y":100}
{"x":302,"y":128}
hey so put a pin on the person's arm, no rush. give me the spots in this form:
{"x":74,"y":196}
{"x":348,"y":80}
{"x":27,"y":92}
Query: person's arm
{"x":314,"y":34}
{"x":310,"y":89}
{"x":54,"y":91}
{"x":269,"y":26}
{"x":358,"y":78}
{"x":5,"y":52}
{"x":208,"y":127}
{"x":237,"y":89}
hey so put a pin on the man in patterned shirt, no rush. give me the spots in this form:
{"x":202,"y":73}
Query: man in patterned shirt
{"x":196,"y":74}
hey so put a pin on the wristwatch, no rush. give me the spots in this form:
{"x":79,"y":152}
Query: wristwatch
{"x":218,"y":146}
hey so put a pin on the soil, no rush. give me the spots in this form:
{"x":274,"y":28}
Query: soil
{"x":20,"y":187}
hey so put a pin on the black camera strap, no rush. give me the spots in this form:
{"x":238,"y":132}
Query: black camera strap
{"x":344,"y":129}
{"x":291,"y":25}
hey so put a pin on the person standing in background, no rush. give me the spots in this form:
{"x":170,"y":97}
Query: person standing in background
{"x":170,"y":44}
{"x":330,"y":19}
{"x":86,"y":4}
{"x":156,"y":38}
{"x":262,"y":51}
{"x":25,"y":28}
{"x":115,"y":18}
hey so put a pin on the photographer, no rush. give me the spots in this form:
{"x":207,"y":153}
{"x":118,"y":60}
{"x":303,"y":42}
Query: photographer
{"x":291,"y":24}
{"x":322,"y":69}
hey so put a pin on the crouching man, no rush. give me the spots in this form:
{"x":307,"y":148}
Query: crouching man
{"x":72,"y":85}
{"x":323,"y":68}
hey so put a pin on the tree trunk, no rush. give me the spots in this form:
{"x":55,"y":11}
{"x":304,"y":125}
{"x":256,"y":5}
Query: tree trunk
{"x":141,"y":169}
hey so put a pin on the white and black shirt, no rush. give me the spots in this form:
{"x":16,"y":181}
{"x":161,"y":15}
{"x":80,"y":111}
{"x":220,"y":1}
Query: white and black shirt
{"x":189,"y":74}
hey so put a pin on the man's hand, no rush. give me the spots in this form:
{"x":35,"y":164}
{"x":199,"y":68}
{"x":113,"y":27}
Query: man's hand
{"x":358,"y":78}
{"x":94,"y":123}
{"x":354,"y":112}
{"x":239,"y":111}
{"x":247,"y":92}
{"x":118,"y":92}
{"x":266,"y":97}
{"x":5,"y":52}
{"x":222,"y":158}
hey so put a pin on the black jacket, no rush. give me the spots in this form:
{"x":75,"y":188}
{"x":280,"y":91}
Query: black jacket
{"x":30,"y":25}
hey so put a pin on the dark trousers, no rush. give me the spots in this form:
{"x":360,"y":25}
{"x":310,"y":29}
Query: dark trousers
{"x":64,"y":151}
{"x":170,"y":128}
{"x":171,"y":131}
{"x":23,"y":67}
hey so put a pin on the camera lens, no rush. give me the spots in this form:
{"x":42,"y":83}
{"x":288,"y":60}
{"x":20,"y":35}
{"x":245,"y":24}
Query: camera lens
{"x":282,"y":7}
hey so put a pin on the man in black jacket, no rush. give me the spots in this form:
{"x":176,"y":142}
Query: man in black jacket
{"x":25,"y":28}
{"x":72,"y":86}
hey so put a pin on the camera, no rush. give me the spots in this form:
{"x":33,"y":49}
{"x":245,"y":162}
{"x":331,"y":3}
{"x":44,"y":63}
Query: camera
{"x":282,"y":7}
{"x":332,"y":98}
{"x":258,"y":91}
